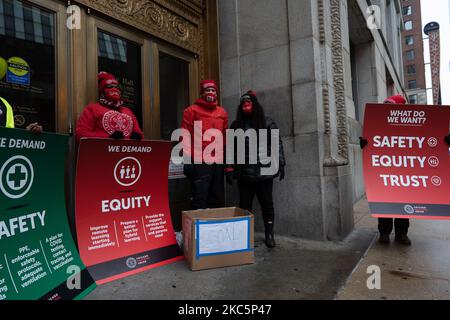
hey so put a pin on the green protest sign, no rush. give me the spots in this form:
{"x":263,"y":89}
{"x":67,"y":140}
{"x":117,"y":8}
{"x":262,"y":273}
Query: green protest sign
{"x":38,"y":257}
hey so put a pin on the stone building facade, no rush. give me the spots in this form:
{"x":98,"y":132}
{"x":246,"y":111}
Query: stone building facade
{"x":314,"y":65}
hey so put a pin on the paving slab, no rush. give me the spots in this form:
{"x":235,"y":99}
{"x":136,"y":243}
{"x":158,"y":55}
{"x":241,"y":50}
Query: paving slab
{"x":419,"y":272}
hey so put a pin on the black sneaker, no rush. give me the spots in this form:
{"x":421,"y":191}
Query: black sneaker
{"x":270,"y":241}
{"x":403,"y":239}
{"x":384,"y":238}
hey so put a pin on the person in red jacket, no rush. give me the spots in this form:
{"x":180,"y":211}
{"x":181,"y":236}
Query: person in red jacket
{"x":207,"y":179}
{"x":108,"y":118}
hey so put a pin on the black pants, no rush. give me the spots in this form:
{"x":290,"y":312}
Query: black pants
{"x":207,"y":186}
{"x":386,"y":225}
{"x":263,"y":191}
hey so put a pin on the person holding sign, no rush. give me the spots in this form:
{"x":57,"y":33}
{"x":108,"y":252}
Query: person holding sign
{"x":252,"y":181}
{"x":206,"y":171}
{"x":108,"y":118}
{"x":7,"y":118}
{"x":386,"y":225}
{"x":6,"y":114}
{"x":35,"y":128}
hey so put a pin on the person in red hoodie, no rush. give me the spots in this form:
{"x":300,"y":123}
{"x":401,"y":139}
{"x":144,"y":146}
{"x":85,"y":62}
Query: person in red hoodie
{"x":108,"y":118}
{"x":207,"y":178}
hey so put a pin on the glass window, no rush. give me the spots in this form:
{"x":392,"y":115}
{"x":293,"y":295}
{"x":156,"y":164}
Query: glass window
{"x":412,"y":84}
{"x":408,"y":25}
{"x":122,"y":59}
{"x":410,"y":55}
{"x":27,"y":63}
{"x":174,"y":92}
{"x":407,"y":11}
{"x":409,"y":40}
{"x":413,"y":99}
{"x":411,"y":69}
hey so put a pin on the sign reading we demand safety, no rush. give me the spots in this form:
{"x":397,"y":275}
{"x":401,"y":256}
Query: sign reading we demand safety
{"x":406,"y":163}
{"x":122,"y":210}
{"x":38,"y":258}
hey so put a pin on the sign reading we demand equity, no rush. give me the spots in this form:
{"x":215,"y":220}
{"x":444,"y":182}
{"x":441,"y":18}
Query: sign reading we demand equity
{"x":406,"y":163}
{"x":122,"y":210}
{"x":38,"y":258}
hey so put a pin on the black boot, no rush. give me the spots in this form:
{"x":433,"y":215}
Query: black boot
{"x":270,"y":241}
{"x":403,"y":239}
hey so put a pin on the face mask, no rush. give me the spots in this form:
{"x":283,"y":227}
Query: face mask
{"x":210,"y":95}
{"x":112,"y":94}
{"x":247,"y":107}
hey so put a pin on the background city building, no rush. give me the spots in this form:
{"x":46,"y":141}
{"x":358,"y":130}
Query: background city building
{"x":432,"y":30}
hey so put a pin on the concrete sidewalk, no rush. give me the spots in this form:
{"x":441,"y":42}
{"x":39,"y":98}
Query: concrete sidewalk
{"x":295,"y":269}
{"x":421,"y":271}
{"x":301,"y":269}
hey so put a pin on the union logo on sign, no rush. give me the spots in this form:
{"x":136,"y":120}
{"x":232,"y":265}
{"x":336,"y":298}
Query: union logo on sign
{"x":16,"y":177}
{"x":131,"y":263}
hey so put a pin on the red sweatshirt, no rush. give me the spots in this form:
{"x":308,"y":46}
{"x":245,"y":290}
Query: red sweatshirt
{"x":212,"y":117}
{"x":97,"y":121}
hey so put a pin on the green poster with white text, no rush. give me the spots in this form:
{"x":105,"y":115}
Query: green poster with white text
{"x":38,"y":257}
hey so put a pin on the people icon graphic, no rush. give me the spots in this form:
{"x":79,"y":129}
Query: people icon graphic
{"x":127,"y":171}
{"x":122,"y":172}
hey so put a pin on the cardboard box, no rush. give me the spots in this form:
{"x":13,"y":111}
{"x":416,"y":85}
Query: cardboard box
{"x":215,"y":238}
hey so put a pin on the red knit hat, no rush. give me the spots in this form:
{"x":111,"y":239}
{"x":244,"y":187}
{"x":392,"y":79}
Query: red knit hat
{"x":398,"y":99}
{"x":105,"y":79}
{"x":208,"y":84}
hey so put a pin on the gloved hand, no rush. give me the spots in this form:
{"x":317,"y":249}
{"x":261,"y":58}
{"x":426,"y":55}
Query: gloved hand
{"x":229,"y":175}
{"x":117,"y":135}
{"x":188,"y":170}
{"x":363,"y":142}
{"x":282,"y":173}
{"x":135,"y":136}
{"x":447,"y":139}
{"x":35,"y":128}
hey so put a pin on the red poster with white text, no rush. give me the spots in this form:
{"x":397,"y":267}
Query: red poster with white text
{"x":407,"y":161}
{"x":122,"y":212}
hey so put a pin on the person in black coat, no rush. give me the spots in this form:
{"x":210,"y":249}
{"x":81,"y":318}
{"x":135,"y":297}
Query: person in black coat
{"x":251,"y":181}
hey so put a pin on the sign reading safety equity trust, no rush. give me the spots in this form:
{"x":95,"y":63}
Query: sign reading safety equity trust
{"x":38,"y":258}
{"x":406,"y":163}
{"x":122,"y":210}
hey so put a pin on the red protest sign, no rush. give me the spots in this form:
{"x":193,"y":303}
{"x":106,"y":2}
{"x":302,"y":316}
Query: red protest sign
{"x":122,"y":213}
{"x":406,"y":163}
